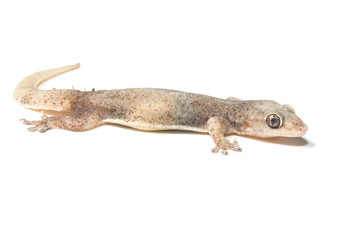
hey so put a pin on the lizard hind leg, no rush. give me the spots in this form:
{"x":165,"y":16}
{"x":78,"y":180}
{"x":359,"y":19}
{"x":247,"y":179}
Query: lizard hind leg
{"x":39,"y":125}
{"x":78,"y":122}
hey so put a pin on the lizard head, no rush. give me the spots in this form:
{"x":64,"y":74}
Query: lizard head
{"x":266,"y":118}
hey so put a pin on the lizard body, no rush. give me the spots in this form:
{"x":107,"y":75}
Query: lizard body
{"x":156,"y":109}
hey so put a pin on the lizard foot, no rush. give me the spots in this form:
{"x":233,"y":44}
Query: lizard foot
{"x":40,"y":125}
{"x":227,"y":145}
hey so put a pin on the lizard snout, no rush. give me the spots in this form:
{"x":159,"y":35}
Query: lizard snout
{"x":302,"y":129}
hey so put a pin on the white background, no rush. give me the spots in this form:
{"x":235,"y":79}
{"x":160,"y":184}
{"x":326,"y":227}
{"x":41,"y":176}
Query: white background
{"x":117,"y":183}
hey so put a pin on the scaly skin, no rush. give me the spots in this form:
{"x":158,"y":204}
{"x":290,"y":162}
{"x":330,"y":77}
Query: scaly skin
{"x":156,"y":109}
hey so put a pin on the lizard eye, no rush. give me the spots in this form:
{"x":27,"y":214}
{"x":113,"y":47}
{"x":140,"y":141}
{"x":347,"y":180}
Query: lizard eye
{"x":273,"y":120}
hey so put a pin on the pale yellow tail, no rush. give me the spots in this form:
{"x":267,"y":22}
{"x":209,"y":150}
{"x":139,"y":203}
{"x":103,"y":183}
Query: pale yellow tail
{"x":27,"y":94}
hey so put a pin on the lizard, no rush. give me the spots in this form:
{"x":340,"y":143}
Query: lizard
{"x":154,"y":109}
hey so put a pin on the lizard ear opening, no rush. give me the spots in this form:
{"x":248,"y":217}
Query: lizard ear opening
{"x":289,"y":108}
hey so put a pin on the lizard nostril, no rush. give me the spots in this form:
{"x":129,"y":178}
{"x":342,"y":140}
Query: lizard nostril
{"x":302,"y":129}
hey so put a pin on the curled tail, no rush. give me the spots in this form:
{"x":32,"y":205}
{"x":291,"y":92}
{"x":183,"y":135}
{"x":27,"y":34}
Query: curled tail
{"x":27,"y":94}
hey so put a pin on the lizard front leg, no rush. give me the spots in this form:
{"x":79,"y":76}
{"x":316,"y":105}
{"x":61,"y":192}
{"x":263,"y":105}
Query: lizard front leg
{"x":217,"y":128}
{"x":79,"y":122}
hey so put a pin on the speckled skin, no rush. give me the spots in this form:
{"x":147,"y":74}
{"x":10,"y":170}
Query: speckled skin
{"x":154,"y":109}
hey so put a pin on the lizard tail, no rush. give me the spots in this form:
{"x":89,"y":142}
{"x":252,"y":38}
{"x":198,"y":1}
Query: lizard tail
{"x":27,"y":94}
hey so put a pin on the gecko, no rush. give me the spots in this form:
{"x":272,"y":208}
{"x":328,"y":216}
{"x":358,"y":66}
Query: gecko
{"x":153,"y":109}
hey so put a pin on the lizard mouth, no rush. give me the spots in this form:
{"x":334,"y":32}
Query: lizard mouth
{"x":294,"y":131}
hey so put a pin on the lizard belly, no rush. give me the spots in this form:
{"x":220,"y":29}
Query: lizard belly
{"x":154,"y":127}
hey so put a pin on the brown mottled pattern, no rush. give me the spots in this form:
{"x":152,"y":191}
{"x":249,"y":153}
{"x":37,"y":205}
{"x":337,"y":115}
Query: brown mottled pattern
{"x":155,"y":109}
